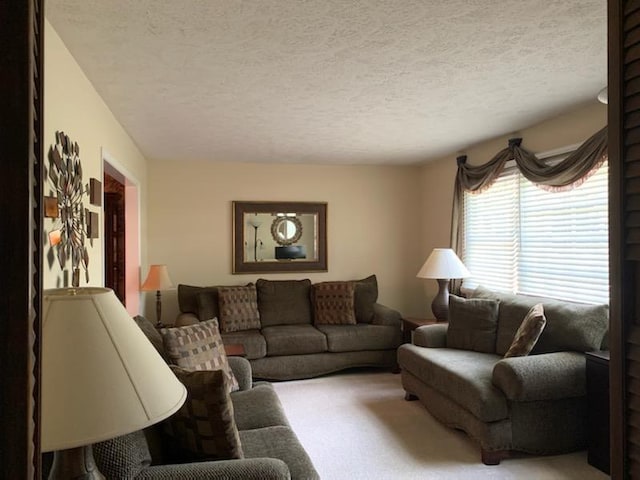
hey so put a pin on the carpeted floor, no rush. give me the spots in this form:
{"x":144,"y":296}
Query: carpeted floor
{"x":357,"y":425}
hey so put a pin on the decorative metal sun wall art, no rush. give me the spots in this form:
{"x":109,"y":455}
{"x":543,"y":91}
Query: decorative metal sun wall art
{"x":65,"y":172}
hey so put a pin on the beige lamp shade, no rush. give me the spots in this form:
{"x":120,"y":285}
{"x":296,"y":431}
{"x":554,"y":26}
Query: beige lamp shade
{"x":443,"y":263}
{"x":101,"y":377}
{"x":157,"y":279}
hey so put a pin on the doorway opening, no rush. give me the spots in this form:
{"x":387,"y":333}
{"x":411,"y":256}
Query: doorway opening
{"x":121,"y":234}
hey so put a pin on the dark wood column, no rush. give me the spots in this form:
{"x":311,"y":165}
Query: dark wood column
{"x":21,"y":89}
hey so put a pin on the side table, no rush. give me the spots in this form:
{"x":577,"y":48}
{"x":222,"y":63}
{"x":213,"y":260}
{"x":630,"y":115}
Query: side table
{"x":409,"y":324}
{"x":598,"y":409}
{"x":235,"y":350}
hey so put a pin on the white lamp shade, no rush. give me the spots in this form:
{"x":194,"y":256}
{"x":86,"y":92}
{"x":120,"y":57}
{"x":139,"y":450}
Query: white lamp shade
{"x":443,"y":263}
{"x":157,"y":279}
{"x":101,"y":377}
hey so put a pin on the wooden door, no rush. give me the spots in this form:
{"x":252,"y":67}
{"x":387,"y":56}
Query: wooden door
{"x":114,"y":228}
{"x":624,"y":205}
{"x":21,"y":114}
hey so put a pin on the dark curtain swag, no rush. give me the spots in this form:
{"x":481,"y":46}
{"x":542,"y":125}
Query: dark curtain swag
{"x":571,"y":172}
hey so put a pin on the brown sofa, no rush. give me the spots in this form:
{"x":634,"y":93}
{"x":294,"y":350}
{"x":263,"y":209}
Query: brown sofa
{"x":289,"y":343}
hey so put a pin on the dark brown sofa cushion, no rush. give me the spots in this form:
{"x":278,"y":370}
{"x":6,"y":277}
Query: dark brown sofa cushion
{"x":294,"y":340}
{"x":189,"y":302}
{"x":284,"y":302}
{"x":366,"y":295}
{"x":472,"y":324}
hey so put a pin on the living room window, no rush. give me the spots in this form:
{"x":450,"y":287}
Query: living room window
{"x":520,"y":238}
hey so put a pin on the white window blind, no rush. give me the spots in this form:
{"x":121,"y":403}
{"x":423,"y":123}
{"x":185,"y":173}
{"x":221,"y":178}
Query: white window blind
{"x":522,"y":239}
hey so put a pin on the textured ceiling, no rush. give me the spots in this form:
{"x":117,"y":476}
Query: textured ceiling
{"x":332,"y":81}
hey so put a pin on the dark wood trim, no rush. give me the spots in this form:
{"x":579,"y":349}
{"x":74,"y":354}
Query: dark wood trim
{"x":238,"y":211}
{"x":21,"y":114}
{"x":617,"y":334}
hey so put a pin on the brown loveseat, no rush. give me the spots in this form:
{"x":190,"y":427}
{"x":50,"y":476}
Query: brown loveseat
{"x":289,"y":343}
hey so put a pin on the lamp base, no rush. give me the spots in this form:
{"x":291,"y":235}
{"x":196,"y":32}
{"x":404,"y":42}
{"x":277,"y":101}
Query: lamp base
{"x":440,"y":304}
{"x":75,"y":464}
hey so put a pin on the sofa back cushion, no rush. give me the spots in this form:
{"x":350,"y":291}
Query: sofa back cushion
{"x":366,"y":296}
{"x":202,"y":301}
{"x":570,"y":326}
{"x":284,"y":302}
{"x":472,"y":324}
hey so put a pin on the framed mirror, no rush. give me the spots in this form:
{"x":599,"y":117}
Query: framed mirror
{"x":273,"y":237}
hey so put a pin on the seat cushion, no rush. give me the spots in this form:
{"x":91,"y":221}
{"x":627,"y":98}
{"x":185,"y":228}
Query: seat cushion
{"x":284,"y":302}
{"x":282,"y":443}
{"x":253,"y":341}
{"x":354,"y":338}
{"x":294,"y":340}
{"x":258,"y":407}
{"x":462,"y":375}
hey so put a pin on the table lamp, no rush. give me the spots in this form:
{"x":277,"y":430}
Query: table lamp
{"x":101,"y":378}
{"x":157,"y":279}
{"x":443,"y":265}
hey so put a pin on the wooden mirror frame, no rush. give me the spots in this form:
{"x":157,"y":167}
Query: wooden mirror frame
{"x":242,"y":208}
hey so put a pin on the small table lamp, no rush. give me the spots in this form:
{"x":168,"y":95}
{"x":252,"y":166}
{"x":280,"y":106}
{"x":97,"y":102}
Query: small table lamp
{"x":157,"y":279}
{"x":101,"y":378}
{"x":443,"y":265}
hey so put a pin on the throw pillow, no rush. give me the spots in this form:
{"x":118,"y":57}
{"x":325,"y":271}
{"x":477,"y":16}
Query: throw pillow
{"x":238,"y":308}
{"x":207,"y":302}
{"x":472,"y":324}
{"x":204,"y":428}
{"x":366,"y":295}
{"x":528,"y":333}
{"x":198,"y":347}
{"x":333,"y":303}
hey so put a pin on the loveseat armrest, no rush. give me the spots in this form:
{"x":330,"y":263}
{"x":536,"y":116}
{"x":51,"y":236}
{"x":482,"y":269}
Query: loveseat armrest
{"x":384,"y":315}
{"x":431,"y":336}
{"x":547,"y":376}
{"x":241,"y":369}
{"x":242,"y":469}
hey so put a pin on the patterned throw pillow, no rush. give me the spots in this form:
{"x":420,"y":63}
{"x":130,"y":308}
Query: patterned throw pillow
{"x":204,"y":428}
{"x":238,"y":308}
{"x":198,"y":347}
{"x":333,"y":303}
{"x":528,"y":332}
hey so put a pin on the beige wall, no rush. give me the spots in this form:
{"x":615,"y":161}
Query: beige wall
{"x":437,"y":177}
{"x":373,"y":221}
{"x":73,"y":106}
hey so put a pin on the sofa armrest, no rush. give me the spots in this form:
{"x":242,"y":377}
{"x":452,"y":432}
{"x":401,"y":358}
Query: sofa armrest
{"x":384,"y":315}
{"x":431,"y":336}
{"x":243,"y":469}
{"x":184,"y":319}
{"x":547,"y":376}
{"x":241,"y":369}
